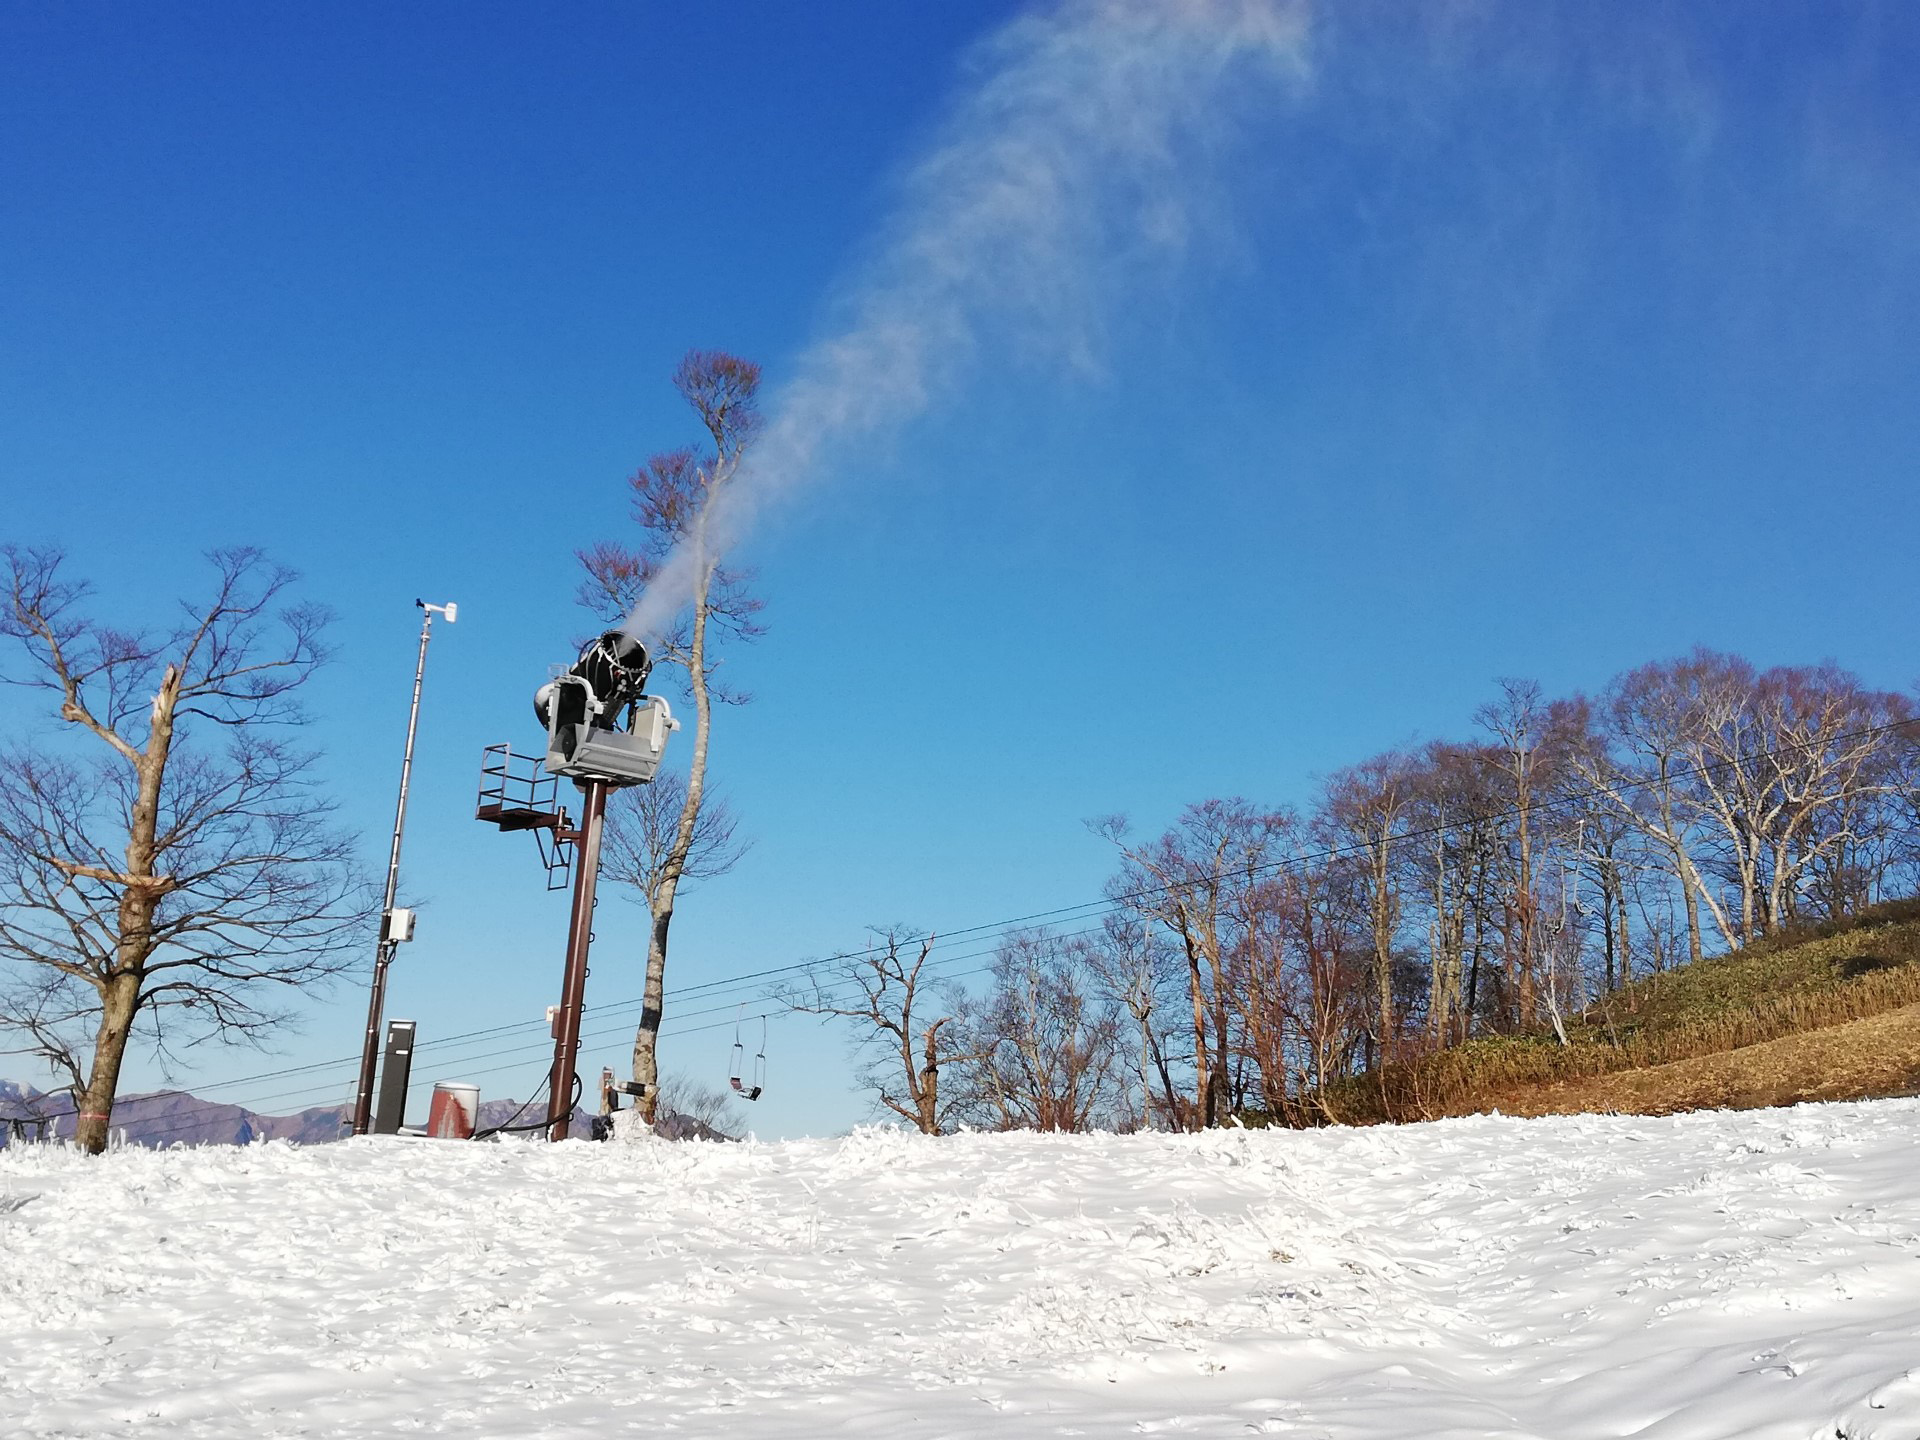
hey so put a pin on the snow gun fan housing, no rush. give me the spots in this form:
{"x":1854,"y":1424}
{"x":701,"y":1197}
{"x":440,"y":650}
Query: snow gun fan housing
{"x":582,"y":707}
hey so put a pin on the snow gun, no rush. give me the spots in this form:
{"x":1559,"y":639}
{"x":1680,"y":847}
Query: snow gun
{"x":583,"y":706}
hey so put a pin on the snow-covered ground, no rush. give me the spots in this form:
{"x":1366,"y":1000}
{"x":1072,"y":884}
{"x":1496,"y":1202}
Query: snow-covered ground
{"x":1751,"y":1274}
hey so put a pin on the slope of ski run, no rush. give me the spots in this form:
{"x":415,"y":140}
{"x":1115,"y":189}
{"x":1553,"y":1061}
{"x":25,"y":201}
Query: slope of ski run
{"x":1752,"y":1275}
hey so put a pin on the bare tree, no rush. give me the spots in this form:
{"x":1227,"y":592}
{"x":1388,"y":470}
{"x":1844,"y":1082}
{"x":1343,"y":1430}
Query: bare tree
{"x":1522,"y":746}
{"x":1639,"y":760}
{"x":1764,"y":782}
{"x":910,"y":1028}
{"x":691,"y":1109}
{"x":1547,"y":862}
{"x":673,"y":496}
{"x":1603,"y":852}
{"x":1774,"y":754}
{"x":1365,"y":807}
{"x":1265,"y":989}
{"x":1191,"y":880}
{"x":1141,"y":974}
{"x":1857,"y":847}
{"x":1455,"y":813}
{"x":172,"y":871}
{"x":643,"y":831}
{"x":1325,"y":928}
{"x":1043,"y":1045}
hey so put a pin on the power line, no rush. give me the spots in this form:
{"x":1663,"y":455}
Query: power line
{"x":1103,"y":908}
{"x":1116,"y":903}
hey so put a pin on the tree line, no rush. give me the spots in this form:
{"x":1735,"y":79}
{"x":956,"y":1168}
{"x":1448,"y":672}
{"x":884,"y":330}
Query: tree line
{"x":1251,"y":956}
{"x":172,"y":873}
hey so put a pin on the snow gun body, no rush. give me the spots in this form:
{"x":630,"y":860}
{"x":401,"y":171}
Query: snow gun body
{"x":581,"y":709}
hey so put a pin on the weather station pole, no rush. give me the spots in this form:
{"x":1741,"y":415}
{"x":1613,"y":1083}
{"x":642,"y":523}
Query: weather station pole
{"x":395,"y":925}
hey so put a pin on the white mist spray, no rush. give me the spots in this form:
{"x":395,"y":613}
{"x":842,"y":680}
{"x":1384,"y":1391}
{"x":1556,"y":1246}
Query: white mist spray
{"x":1074,"y":160}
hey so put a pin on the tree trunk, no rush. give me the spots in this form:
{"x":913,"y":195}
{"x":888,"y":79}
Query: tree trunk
{"x":118,"y":1003}
{"x":1609,"y":947}
{"x":139,"y":898}
{"x":926,"y":1097}
{"x":1202,"y":1080}
{"x":1150,"y":1051}
{"x":1383,"y":926}
{"x":1437,"y":997}
{"x":1220,"y":1101}
{"x":1690,"y":887}
{"x":1626,"y":935}
{"x":1479,"y":944}
{"x":646,"y":1040}
{"x":1528,"y":1006}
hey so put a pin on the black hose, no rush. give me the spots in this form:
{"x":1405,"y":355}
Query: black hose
{"x":511,"y":1128}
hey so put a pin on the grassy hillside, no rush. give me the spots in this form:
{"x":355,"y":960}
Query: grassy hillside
{"x":1879,"y":1056}
{"x":1825,"y":980}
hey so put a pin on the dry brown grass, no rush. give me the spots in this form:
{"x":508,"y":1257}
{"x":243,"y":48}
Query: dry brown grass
{"x":1862,"y":1059}
{"x":1729,"y":1004}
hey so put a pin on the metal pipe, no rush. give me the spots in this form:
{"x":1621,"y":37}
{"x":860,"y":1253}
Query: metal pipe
{"x":573,"y":988}
{"x":385,"y":946}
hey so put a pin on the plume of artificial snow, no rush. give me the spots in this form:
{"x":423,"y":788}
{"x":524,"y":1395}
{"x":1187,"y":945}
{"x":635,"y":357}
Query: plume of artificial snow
{"x":1073,"y":161}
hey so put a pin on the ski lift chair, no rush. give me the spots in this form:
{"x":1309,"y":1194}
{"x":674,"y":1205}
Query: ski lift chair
{"x":736,"y":1067}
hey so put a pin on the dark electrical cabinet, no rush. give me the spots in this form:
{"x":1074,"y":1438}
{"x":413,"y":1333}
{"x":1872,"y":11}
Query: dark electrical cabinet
{"x":394,"y":1074}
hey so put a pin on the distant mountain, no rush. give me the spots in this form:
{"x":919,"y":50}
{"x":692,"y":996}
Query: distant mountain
{"x":174,"y":1117}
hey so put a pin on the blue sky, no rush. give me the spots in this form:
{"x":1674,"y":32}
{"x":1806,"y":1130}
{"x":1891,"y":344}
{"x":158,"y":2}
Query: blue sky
{"x":1527,"y":340}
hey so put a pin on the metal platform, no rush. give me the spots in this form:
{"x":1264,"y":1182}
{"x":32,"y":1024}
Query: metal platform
{"x":516,"y":819}
{"x":517,"y":793}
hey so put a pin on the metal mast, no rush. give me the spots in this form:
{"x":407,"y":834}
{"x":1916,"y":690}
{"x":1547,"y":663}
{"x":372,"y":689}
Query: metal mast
{"x":573,"y":986}
{"x":389,"y":941}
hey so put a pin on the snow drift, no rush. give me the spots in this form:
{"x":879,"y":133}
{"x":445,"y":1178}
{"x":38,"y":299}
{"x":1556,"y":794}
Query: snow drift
{"x":1753,"y":1274}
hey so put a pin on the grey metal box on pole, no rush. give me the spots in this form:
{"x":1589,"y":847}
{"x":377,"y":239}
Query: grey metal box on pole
{"x":395,"y":1072}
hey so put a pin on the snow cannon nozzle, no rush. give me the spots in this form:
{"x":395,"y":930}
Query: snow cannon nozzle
{"x":581,"y":709}
{"x":616,"y":666}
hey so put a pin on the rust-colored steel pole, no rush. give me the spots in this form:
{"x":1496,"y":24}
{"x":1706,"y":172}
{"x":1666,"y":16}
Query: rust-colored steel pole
{"x":573,"y":990}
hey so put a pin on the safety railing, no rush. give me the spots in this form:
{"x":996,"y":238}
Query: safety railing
{"x":517,"y":793}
